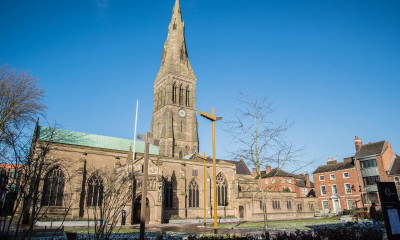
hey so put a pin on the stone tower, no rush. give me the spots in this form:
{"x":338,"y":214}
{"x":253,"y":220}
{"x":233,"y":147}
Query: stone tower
{"x":174,"y":119}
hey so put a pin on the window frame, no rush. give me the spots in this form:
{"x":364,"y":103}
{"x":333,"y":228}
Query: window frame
{"x":332,"y":178}
{"x":321,"y":177}
{"x":345,"y":189}
{"x":322,"y":193}
{"x":304,"y":191}
{"x":347,"y":202}
{"x":323,"y":205}
{"x":348,"y":175}
{"x":335,"y":188}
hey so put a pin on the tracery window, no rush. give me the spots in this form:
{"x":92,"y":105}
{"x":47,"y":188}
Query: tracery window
{"x":53,"y":188}
{"x":95,"y":191}
{"x":222,"y":190}
{"x":193,"y":194}
{"x":167,"y":193}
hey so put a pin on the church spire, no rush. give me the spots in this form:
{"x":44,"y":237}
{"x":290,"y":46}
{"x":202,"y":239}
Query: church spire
{"x":175,"y":59}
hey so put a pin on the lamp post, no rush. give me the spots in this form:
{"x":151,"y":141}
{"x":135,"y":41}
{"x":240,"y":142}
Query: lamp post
{"x":205,"y":186}
{"x":213,"y":118}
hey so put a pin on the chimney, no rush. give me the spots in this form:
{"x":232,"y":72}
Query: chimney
{"x":254,"y":172}
{"x":348,"y":159}
{"x":267,"y":169}
{"x":330,"y":162}
{"x":307,"y":177}
{"x":358,"y":143}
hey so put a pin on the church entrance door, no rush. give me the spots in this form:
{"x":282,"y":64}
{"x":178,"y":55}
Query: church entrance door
{"x":137,"y":208}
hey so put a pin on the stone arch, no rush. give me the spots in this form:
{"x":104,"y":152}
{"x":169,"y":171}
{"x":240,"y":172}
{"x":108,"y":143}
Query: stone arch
{"x":136,"y":208}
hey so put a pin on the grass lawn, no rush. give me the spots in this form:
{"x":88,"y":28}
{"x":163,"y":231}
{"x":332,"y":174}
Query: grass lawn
{"x":303,"y":224}
{"x":123,"y":230}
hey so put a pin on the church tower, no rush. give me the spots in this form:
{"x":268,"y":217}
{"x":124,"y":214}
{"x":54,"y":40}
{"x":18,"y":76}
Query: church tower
{"x":174,"y":119}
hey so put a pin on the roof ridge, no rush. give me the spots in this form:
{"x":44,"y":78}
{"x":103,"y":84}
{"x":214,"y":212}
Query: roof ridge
{"x":93,"y":134}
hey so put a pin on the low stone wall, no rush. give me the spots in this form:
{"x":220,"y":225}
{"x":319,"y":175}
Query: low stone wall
{"x":65,"y":224}
{"x":209,"y":220}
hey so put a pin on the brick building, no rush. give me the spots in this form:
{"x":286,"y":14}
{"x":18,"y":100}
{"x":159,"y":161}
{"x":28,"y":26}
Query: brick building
{"x":374,"y":162}
{"x":277,"y":180}
{"x":10,"y":180}
{"x":340,"y":185}
{"x":337,"y":186}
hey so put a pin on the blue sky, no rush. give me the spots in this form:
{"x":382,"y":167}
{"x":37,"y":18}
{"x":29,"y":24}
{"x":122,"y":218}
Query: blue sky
{"x":332,"y":67}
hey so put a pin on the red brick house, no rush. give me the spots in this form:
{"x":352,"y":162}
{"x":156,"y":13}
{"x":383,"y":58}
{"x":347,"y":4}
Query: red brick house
{"x":277,"y":180}
{"x":337,"y":186}
{"x":374,"y":162}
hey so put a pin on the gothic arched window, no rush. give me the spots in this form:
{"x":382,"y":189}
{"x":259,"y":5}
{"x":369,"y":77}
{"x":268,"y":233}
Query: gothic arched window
{"x":168,"y":193}
{"x":187,"y":96}
{"x":193,"y":194}
{"x":222,"y":190}
{"x":180,"y":94}
{"x":174,"y":93}
{"x":95,"y":191}
{"x":53,"y":188}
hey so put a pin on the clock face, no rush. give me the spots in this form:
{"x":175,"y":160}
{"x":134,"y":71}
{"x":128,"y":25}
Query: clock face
{"x":182,"y":113}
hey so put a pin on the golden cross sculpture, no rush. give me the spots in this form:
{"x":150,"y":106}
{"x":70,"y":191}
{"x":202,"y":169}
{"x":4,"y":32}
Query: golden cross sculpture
{"x":205,"y":186}
{"x":213,"y":118}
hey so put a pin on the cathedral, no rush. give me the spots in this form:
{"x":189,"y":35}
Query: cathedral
{"x":179,"y":183}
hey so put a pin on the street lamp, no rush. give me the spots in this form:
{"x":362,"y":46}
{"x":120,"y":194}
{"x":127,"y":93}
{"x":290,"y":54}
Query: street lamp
{"x":213,"y":118}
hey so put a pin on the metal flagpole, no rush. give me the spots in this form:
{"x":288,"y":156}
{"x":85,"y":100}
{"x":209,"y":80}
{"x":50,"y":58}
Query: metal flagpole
{"x":134,"y":136}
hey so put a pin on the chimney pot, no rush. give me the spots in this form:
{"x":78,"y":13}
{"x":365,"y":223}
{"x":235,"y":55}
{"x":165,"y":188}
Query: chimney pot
{"x":358,"y":143}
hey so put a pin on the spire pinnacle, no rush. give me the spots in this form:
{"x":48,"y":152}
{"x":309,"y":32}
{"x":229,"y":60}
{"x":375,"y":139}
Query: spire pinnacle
{"x":175,"y":58}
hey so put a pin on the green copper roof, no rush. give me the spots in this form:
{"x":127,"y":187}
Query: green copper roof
{"x":91,"y":140}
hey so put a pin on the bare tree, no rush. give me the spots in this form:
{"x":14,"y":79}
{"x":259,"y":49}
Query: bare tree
{"x":21,"y":101}
{"x":260,"y":140}
{"x":34,"y":162}
{"x":109,"y":191}
{"x":28,"y":158}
